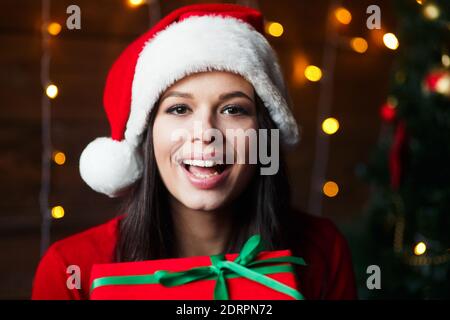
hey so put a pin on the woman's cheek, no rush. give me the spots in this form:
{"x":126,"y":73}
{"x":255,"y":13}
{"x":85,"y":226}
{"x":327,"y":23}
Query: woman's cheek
{"x":161,"y":145}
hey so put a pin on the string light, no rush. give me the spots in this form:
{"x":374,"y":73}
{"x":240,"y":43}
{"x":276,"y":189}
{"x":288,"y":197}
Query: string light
{"x":330,"y":126}
{"x":46,"y":128}
{"x":390,"y":41}
{"x":359,"y":44}
{"x":313,"y":73}
{"x":419,"y":2}
{"x":431,"y":11}
{"x":420,"y":249}
{"x":330,"y":189}
{"x":57,"y":212}
{"x":51,"y":91}
{"x":445,"y":59}
{"x":54,"y":28}
{"x":343,"y":15}
{"x":135,"y":3}
{"x":59,"y":158}
{"x":412,"y":260}
{"x":275,"y":29}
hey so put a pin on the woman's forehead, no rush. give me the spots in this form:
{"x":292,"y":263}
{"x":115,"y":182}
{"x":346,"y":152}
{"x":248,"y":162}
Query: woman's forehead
{"x":217,"y":81}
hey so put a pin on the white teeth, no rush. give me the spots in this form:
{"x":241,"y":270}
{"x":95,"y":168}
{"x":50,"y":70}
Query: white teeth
{"x":200,"y":163}
{"x":204,"y":176}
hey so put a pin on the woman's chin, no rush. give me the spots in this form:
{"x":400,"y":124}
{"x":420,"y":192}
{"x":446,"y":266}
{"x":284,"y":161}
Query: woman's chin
{"x":209,"y":193}
{"x":199,"y":200}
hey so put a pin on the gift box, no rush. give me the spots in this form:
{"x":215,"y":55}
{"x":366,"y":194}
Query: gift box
{"x":253,"y":274}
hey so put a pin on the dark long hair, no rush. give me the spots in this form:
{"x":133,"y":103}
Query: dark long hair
{"x":146,"y":232}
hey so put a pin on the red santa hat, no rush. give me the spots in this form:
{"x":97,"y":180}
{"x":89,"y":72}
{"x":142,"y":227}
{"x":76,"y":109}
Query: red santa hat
{"x":191,"y":39}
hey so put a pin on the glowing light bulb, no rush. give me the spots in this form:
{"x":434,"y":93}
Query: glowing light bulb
{"x":420,"y":249}
{"x":51,"y":91}
{"x":135,"y":3}
{"x":275,"y":29}
{"x":390,"y":41}
{"x":359,"y":44}
{"x":445,"y":60}
{"x":313,"y":73}
{"x":330,"y":126}
{"x":59,"y":158}
{"x":57,"y":212}
{"x":343,"y":15}
{"x":431,"y":11}
{"x":330,"y":189}
{"x":54,"y":28}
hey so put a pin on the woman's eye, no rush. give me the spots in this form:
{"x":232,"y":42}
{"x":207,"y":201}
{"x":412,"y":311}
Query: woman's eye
{"x":234,"y":110}
{"x":179,"y":109}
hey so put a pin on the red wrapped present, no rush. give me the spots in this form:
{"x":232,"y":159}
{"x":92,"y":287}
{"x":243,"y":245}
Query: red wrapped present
{"x":253,"y":274}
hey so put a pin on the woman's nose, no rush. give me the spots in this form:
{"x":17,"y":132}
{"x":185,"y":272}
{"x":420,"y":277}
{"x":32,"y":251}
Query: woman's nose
{"x":204,"y":127}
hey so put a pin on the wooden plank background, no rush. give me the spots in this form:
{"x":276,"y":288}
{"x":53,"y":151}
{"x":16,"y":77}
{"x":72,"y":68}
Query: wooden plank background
{"x":80,"y":61}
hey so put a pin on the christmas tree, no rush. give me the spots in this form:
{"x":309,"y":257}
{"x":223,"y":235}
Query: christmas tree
{"x":409,"y":171}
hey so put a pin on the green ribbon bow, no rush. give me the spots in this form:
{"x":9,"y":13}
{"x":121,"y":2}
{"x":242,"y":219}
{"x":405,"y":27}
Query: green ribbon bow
{"x":220,"y":269}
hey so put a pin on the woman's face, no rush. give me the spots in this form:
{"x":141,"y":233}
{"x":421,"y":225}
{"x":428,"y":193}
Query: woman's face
{"x":192,"y":166}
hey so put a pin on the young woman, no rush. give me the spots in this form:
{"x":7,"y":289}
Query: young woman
{"x":189,"y":103}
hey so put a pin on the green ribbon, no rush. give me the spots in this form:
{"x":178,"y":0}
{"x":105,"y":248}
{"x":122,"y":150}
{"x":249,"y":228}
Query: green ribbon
{"x":243,"y":266}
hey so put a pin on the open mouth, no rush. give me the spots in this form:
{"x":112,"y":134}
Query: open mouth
{"x":204,"y":169}
{"x":205,"y":174}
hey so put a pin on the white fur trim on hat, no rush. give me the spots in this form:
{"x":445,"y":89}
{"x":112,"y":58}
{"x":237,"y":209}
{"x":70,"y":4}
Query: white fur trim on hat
{"x":110,"y":166}
{"x":208,"y":43}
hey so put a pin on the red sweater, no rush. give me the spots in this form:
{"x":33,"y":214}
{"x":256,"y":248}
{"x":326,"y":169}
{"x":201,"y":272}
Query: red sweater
{"x":328,"y":274}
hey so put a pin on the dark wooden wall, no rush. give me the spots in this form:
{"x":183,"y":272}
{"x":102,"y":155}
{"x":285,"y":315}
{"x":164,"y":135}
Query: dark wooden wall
{"x":80,"y":61}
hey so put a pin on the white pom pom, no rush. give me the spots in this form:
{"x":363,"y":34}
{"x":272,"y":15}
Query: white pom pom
{"x":109,"y":166}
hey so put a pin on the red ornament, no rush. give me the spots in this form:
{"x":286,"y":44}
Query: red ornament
{"x":388,"y":112}
{"x":438,"y":81}
{"x":396,"y":154}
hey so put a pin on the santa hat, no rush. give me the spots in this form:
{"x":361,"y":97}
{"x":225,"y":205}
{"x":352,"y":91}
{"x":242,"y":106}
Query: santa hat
{"x":191,"y":39}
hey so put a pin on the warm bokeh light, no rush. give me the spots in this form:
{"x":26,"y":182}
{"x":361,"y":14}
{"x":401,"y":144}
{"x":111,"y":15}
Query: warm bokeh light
{"x":388,"y":112}
{"x":299,"y":64}
{"x":57,"y":212}
{"x":445,"y":60}
{"x":330,"y":126}
{"x":135,"y":3}
{"x":419,"y":2}
{"x":420,"y":249}
{"x":330,"y":189}
{"x":275,"y":29}
{"x":59,"y":158}
{"x":375,"y":37}
{"x":54,"y":28}
{"x":313,"y":73}
{"x":343,"y":15}
{"x":431,"y":11}
{"x":390,"y":41}
{"x":51,"y":91}
{"x":359,"y":44}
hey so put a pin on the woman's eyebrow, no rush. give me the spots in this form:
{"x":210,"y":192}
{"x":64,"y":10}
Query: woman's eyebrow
{"x":177,"y":94}
{"x":234,"y":94}
{"x":223,"y":96}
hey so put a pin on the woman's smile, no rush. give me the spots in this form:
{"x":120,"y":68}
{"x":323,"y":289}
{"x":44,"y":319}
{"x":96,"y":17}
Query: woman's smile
{"x":205,"y":174}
